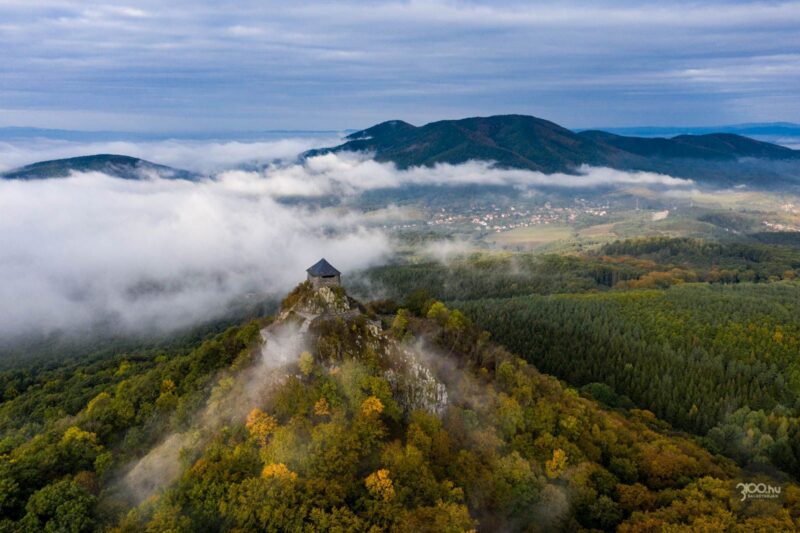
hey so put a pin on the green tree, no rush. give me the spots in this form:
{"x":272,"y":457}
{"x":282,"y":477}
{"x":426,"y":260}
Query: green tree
{"x":62,"y":506}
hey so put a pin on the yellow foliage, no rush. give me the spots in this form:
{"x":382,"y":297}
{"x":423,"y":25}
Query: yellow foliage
{"x":76,"y":434}
{"x":438,"y":312}
{"x":278,"y":470}
{"x":321,"y":408}
{"x":380,"y":485}
{"x":306,"y":363}
{"x":97,"y":401}
{"x":372,"y":406}
{"x":167,"y":386}
{"x":648,"y":416}
{"x":400,"y":323}
{"x":660,"y":279}
{"x":555,"y":466}
{"x":260,"y":425}
{"x":122,"y":369}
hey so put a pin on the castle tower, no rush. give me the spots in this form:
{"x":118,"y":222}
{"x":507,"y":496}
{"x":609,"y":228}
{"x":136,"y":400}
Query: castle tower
{"x":322,"y":274}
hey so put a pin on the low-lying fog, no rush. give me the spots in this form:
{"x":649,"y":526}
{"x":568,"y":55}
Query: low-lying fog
{"x":90,"y":248}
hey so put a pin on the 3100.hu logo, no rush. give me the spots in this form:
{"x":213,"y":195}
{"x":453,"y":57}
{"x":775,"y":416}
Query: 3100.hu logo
{"x":760,"y":491}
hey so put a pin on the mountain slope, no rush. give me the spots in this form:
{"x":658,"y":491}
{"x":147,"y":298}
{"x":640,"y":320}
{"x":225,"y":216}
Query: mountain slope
{"x":764,"y":129}
{"x":332,"y":418}
{"x":120,"y":166}
{"x":713,"y":146}
{"x":518,"y":141}
{"x":511,"y":140}
{"x":416,"y":423}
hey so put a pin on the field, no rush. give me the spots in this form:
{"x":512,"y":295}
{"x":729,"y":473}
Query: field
{"x":597,"y":231}
{"x":563,"y":238}
{"x":531,"y":237}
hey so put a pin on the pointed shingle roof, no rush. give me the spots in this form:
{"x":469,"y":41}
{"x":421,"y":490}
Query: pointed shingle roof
{"x":323,"y":268}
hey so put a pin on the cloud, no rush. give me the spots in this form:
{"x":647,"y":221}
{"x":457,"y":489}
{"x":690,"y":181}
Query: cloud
{"x":159,"y":254}
{"x":205,"y":156}
{"x":789,"y":142}
{"x":235,"y":393}
{"x":351,"y":173}
{"x":446,"y":250}
{"x":248,"y":64}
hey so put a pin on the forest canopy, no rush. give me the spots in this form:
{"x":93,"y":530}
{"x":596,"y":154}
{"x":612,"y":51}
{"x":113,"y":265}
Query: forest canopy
{"x":418,"y":415}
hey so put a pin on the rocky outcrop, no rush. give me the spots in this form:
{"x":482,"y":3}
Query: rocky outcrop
{"x":325,"y":300}
{"x":343,"y":331}
{"x":414,"y":384}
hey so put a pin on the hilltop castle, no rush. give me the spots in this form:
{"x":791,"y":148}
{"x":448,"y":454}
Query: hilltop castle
{"x":323,"y":274}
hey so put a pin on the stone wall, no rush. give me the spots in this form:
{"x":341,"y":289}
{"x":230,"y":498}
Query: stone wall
{"x":318,"y":282}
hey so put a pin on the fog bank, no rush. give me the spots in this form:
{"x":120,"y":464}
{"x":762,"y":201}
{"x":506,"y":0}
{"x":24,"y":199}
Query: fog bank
{"x":161,"y":254}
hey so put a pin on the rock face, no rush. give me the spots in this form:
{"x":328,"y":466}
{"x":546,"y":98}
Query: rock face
{"x":341,"y":330}
{"x":329,"y":300}
{"x":325,"y":300}
{"x":414,"y":383}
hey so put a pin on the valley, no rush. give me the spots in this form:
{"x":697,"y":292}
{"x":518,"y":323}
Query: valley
{"x":510,"y":351}
{"x":348,"y":427}
{"x":415,"y":266}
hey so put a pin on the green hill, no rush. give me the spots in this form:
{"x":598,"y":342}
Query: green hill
{"x":119,"y":166}
{"x":712,"y":146}
{"x":333,"y":418}
{"x":525,"y":142}
{"x":514,"y":141}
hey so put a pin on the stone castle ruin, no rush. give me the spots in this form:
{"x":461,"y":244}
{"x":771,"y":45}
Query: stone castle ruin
{"x":323,"y":274}
{"x":321,"y":306}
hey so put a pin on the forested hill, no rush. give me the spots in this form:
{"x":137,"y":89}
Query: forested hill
{"x":716,"y":360}
{"x":704,"y":334}
{"x":709,"y":146}
{"x":410,"y":421}
{"x":119,"y":166}
{"x":519,"y":141}
{"x":511,"y":140}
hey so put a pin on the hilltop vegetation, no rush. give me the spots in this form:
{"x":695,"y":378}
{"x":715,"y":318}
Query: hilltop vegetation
{"x":336,"y":444}
{"x":700,"y":356}
{"x":657,"y":262}
{"x":525,"y":142}
{"x":705,"y":334}
{"x":119,"y":166}
{"x":411,"y":417}
{"x":68,"y":431}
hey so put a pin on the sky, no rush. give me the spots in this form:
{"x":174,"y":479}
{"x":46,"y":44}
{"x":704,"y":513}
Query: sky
{"x":204,"y":66}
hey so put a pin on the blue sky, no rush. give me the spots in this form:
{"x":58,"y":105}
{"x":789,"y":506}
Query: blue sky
{"x":258,"y":65}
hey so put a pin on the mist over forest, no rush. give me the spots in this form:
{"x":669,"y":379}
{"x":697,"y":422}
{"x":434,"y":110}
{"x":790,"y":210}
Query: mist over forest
{"x":407,"y":267}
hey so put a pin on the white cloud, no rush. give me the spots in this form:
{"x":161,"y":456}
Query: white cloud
{"x":157,"y":253}
{"x":144,"y":254}
{"x":199,"y":156}
{"x":246,"y":31}
{"x":334,"y":64}
{"x":349,"y":173}
{"x":445,"y":251}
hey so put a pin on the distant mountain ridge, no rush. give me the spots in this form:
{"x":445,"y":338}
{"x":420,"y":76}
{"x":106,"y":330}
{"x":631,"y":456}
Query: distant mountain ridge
{"x":715,"y":146}
{"x":526,"y":142}
{"x":119,"y":166}
{"x":756,"y":129}
{"x":513,"y":141}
